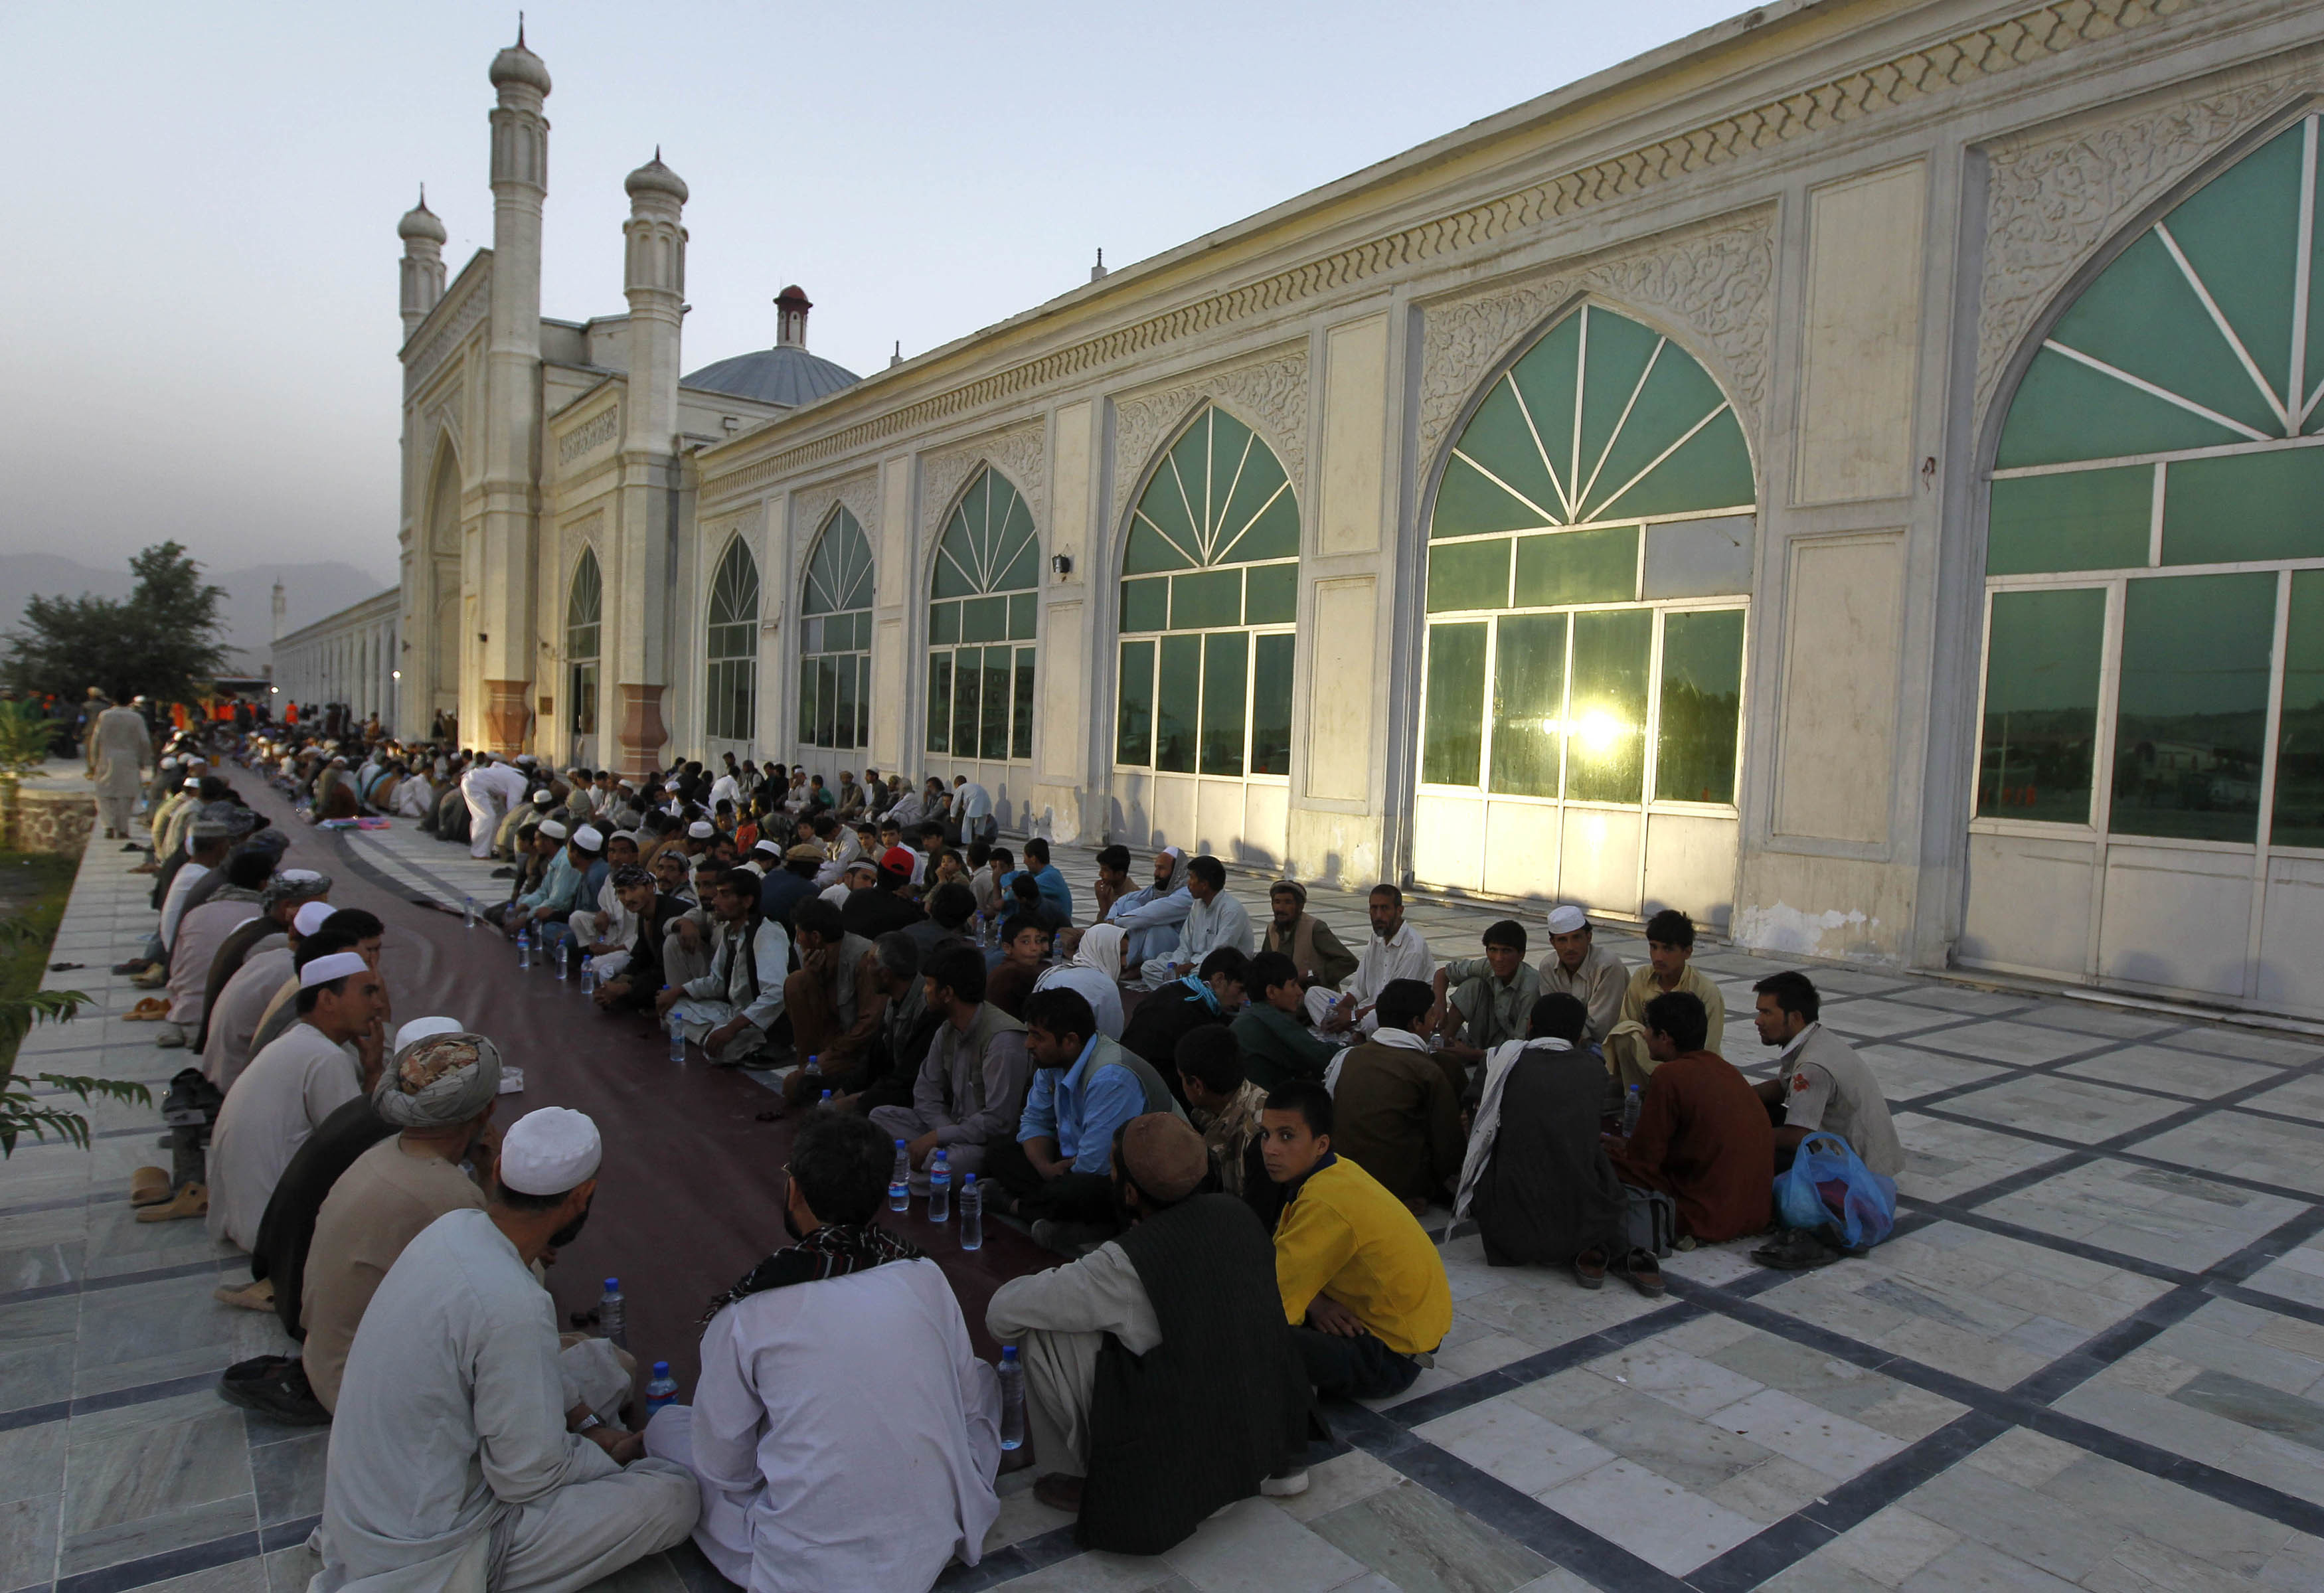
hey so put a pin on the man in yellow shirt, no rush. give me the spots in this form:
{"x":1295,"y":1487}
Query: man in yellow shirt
{"x":1670,"y":966}
{"x":1364,"y":1287}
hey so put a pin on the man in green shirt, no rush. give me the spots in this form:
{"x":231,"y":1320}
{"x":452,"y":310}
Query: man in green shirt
{"x":1278,"y":1046}
{"x":1491,"y":996}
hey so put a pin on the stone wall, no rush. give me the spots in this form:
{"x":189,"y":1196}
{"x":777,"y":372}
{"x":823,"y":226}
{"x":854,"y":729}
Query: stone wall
{"x":55,"y":822}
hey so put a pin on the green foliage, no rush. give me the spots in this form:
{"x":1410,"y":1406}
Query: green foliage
{"x":23,"y":740}
{"x":164,"y":640}
{"x":22,"y":1113}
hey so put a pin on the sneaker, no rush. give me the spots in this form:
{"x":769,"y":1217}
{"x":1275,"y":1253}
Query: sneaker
{"x":1286,"y":1484}
{"x":276,"y":1387}
{"x":1645,"y":1272}
{"x":1590,"y":1269}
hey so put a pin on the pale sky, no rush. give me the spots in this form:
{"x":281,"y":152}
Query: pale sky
{"x":202,"y":247}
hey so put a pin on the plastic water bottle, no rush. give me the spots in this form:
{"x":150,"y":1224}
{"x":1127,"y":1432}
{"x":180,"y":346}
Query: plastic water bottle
{"x":1630,"y":1112}
{"x":972,"y":1214}
{"x":588,"y":976}
{"x":564,"y":959}
{"x":468,"y":912}
{"x":612,"y":1321}
{"x":661,"y":1391}
{"x":940,"y":1189}
{"x":524,"y":948}
{"x":826,"y":1102}
{"x":1012,"y":1399}
{"x":899,"y":1182}
{"x":676,"y":1038}
{"x":813,"y":1068}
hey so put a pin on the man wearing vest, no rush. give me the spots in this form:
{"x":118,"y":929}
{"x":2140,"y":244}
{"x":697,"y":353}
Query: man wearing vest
{"x":1161,"y":1380}
{"x":1085,"y":1087}
{"x":728,"y":1010}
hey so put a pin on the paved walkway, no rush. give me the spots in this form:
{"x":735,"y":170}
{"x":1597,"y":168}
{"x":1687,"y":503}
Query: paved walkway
{"x":2093,"y":1355}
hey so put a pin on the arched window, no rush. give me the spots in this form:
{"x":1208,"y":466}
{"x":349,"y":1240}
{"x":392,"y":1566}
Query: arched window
{"x":1589,"y":547}
{"x":836,"y":638}
{"x":730,"y":692}
{"x":2154,"y":560}
{"x":583,"y":610}
{"x":1210,"y":589}
{"x":986,"y":604}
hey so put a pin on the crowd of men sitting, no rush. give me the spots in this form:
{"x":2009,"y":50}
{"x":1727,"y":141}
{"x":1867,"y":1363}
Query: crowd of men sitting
{"x":1228,"y":1130}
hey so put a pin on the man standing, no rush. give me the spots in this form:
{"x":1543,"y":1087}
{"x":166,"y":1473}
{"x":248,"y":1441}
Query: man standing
{"x":1160,"y":1382}
{"x":843,"y":1433}
{"x":118,"y":748}
{"x":491,"y":790}
{"x":1670,"y":966}
{"x":1397,"y":1107}
{"x":1214,"y":920}
{"x":969,"y":1092}
{"x":728,"y":1010}
{"x":1824,"y":1086}
{"x":1577,"y":968}
{"x":456,"y":1462}
{"x":1314,"y":948}
{"x":1490,"y":997}
{"x":972,"y":811}
{"x":1703,"y":1136}
{"x":1396,"y":951}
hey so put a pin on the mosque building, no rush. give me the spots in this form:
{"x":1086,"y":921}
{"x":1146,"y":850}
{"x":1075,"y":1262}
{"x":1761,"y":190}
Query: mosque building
{"x":1849,"y":473}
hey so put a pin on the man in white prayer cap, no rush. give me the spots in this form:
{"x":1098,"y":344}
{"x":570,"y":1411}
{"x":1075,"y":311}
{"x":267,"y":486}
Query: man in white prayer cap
{"x":456,"y":1461}
{"x":331,"y":1054}
{"x":1578,"y":967}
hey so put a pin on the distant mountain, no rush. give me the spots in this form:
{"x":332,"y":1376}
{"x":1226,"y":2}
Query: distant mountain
{"x":309,"y":593}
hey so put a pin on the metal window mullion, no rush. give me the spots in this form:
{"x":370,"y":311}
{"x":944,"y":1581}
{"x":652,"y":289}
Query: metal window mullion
{"x":2279,"y":650}
{"x":1489,"y":709}
{"x":2273,"y":445}
{"x":2102,"y":756}
{"x":1649,"y":756}
{"x":2154,"y":517}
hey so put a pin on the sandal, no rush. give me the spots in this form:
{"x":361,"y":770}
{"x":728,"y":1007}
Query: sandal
{"x":1645,"y":1272}
{"x":1589,"y":1268}
{"x":148,"y":1186}
{"x":151,"y":1010}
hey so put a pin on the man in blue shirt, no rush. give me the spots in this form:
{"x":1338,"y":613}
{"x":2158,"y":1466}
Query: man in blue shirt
{"x":572,"y":879}
{"x":1054,"y":888}
{"x":1085,"y":1088}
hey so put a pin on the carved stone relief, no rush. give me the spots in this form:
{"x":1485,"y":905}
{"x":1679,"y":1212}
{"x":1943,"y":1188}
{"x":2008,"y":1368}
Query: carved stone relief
{"x":466,"y":317}
{"x":1019,"y":453}
{"x":1713,"y":284}
{"x":1268,"y":394}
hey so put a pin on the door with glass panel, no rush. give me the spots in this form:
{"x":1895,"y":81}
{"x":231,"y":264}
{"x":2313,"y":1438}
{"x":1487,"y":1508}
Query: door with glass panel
{"x":834,"y":667}
{"x":2150,"y":771}
{"x":1209,"y":591}
{"x":1590,"y":554}
{"x":583,"y":616}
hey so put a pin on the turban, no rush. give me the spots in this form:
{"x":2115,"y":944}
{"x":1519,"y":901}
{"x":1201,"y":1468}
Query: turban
{"x":1164,"y":1156}
{"x":629,"y":874}
{"x":439,"y":1080}
{"x":311,"y":917}
{"x":293,"y":885}
{"x":1566,"y":920}
{"x":550,"y":1151}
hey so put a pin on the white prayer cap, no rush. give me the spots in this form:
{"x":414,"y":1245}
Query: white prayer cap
{"x":169,"y":763}
{"x":1566,"y":920}
{"x":419,"y":1028}
{"x":309,"y":918}
{"x":628,"y":835}
{"x":527,"y":760}
{"x":588,"y":839}
{"x":552,"y":829}
{"x":550,"y":1151}
{"x":625,"y":785}
{"x":193,"y":785}
{"x":541,"y":799}
{"x":702,"y":829}
{"x":769,"y":847}
{"x":337,"y":965}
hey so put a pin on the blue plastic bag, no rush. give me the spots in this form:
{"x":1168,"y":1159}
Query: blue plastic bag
{"x":1828,"y":1184}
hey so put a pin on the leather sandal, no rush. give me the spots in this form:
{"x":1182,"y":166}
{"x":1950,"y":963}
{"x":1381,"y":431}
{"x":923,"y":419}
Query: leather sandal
{"x":1589,"y":1268}
{"x":1645,"y":1272}
{"x":150,"y":1009}
{"x":148,"y":1186}
{"x":193,"y":1201}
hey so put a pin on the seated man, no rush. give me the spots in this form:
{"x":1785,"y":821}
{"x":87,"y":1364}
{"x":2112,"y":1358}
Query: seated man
{"x":1396,"y":951}
{"x":539,"y":853}
{"x":1024,"y":956}
{"x":1272,"y":1030}
{"x":1536,"y":1178}
{"x":1113,"y":876}
{"x":884,"y":906}
{"x":969,"y":1092}
{"x":1151,"y":915}
{"x":843,"y":1433}
{"x":600,"y":926}
{"x":632,"y":977}
{"x":1576,"y":967}
{"x":1397,"y":1107}
{"x":1095,"y":972}
{"x":1213,"y":995}
{"x":728,"y":1010}
{"x":1213,"y":921}
{"x":1084,"y":1087}
{"x":1363,"y":1288}
{"x":833,"y":1003}
{"x":232,"y":1012}
{"x":1702,"y":1137}
{"x":950,"y":906}
{"x":1160,"y":1384}
{"x":1824,"y":1085}
{"x":202,"y":933}
{"x":1490,"y":997}
{"x":1670,"y":966}
{"x":331,"y":1054}
{"x":456,"y":1461}
{"x":794,"y":882}
{"x":1313,"y":947}
{"x":1054,"y":888}
{"x":1224,"y":1106}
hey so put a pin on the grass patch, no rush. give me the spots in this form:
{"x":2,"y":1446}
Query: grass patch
{"x":33,"y":889}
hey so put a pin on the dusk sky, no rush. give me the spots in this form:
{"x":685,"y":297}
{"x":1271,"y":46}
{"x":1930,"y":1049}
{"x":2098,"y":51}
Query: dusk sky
{"x":203,"y":251}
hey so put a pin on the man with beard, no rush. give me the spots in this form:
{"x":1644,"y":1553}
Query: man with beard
{"x":1396,"y":951}
{"x":456,"y":1461}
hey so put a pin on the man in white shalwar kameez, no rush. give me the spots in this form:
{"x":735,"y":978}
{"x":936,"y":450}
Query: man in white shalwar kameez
{"x":1396,"y":951}
{"x":844,"y":1431}
{"x":493,"y":789}
{"x":728,"y":1010}
{"x":456,"y":1464}
{"x":118,"y":748}
{"x":1213,"y":919}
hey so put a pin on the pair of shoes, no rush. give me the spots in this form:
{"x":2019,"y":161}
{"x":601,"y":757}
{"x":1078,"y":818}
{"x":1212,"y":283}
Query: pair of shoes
{"x":276,"y":1387}
{"x":148,"y":1186}
{"x":258,"y":1295}
{"x":1590,"y":1269}
{"x":1645,"y":1272}
{"x":172,"y":1036}
{"x":192,"y":1200}
{"x":1286,"y":1484}
{"x":150,"y":1010}
{"x":1059,"y":1492}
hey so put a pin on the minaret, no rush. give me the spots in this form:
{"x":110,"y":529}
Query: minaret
{"x":653,"y":277}
{"x":504,"y":581}
{"x":423,"y":262}
{"x":281,"y":606}
{"x":791,"y":306}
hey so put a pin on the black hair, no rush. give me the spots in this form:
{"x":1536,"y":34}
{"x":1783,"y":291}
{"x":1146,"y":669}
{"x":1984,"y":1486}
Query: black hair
{"x":951,"y":905}
{"x":1269,"y":970}
{"x":249,"y":867}
{"x":1209,"y":871}
{"x":958,"y":968}
{"x":1556,"y":1016}
{"x":1229,"y":960}
{"x":1208,"y":1052}
{"x":1309,"y":1099}
{"x":1037,"y":847}
{"x":324,"y":943}
{"x":980,"y":852}
{"x":1793,"y":992}
{"x":999,"y":854}
{"x":1393,"y":893}
{"x":1026,"y":888}
{"x":350,"y":921}
{"x":1058,"y":1011}
{"x":1116,"y":856}
{"x":1671,"y":928}
{"x":1508,"y":932}
{"x":841,"y":1164}
{"x":814,"y":916}
{"x":1404,"y":1002}
{"x":1679,"y":1015}
{"x":1016,"y":924}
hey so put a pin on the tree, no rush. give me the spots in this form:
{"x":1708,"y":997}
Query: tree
{"x":165,"y":640}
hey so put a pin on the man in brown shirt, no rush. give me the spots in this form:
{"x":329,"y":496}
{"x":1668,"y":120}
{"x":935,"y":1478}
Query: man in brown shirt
{"x":1702,"y":1137}
{"x":1396,"y":1107}
{"x":1314,"y":950}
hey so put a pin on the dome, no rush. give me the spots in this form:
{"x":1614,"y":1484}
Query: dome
{"x":654,"y":178}
{"x":421,"y":222}
{"x":785,"y":375}
{"x":516,"y":64}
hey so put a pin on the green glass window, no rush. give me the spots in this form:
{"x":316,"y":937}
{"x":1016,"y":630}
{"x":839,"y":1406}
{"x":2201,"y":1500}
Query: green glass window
{"x":940,"y":702}
{"x":2042,"y":652}
{"x":1578,"y":566}
{"x":1133,"y":719}
{"x":1700,"y":710}
{"x":835,"y":632}
{"x":730,"y":691}
{"x":2244,"y":508}
{"x":1528,"y":705}
{"x":1451,"y":739}
{"x":583,"y":610}
{"x":1606,"y":719}
{"x":2084,"y":520}
{"x":2299,"y":814}
{"x":2193,"y":710}
{"x":985,"y":589}
{"x":1212,"y":546}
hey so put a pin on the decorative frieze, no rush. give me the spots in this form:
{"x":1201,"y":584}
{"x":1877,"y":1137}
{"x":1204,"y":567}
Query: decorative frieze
{"x":600,"y":430}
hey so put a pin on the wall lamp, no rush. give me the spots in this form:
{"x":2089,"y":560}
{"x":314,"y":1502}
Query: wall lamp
{"x":1063,"y":563}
